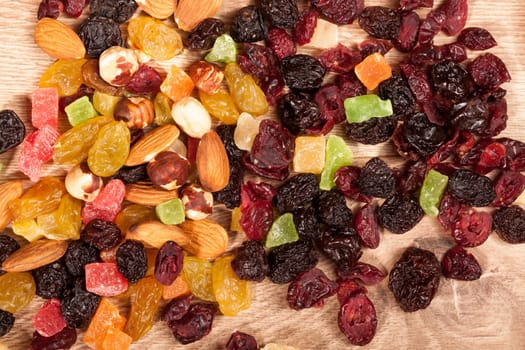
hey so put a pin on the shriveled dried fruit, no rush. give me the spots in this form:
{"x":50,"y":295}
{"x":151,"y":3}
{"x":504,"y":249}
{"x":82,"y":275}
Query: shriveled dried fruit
{"x":458,"y":264}
{"x":310,"y":288}
{"x":357,"y":319}
{"x":471,"y":188}
{"x":376,"y":179}
{"x":509,"y":224}
{"x":399,"y":213}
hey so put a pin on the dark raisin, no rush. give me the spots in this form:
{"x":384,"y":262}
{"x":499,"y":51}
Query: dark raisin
{"x":340,"y":59}
{"x":423,"y":136}
{"x":248,"y":25}
{"x":177,"y":308}
{"x":132,"y":261}
{"x":250,"y":262}
{"x":449,"y":79}
{"x":296,"y":192}
{"x":408,"y":32}
{"x":332,"y":209}
{"x":49,"y":8}
{"x":7,"y":320}
{"x":372,"y":131}
{"x":489,"y":71}
{"x":380,"y":22}
{"x":101,"y":234}
{"x":371,"y":46}
{"x":74,"y":8}
{"x":118,"y":10}
{"x":349,"y":85}
{"x":52,"y":280}
{"x":430,"y":26}
{"x":365,"y":224}
{"x":396,"y":90}
{"x":298,"y":112}
{"x":99,"y":34}
{"x":303,"y":72}
{"x":168,"y":263}
{"x":132,"y":174}
{"x":471,"y":227}
{"x":226,"y":132}
{"x":280,"y":42}
{"x":414,"y":279}
{"x":376,"y":179}
{"x":241,"y":341}
{"x":508,"y":186}
{"x":364,"y":273}
{"x":195,"y":324}
{"x":458,"y":264}
{"x":307,"y":223}
{"x":203,"y":36}
{"x":357,"y":319}
{"x":408,"y":5}
{"x":305,"y":26}
{"x":78,"y":255}
{"x":343,"y":248}
{"x":476,"y":38}
{"x":78,"y":305}
{"x":8,"y":245}
{"x":399,"y":213}
{"x":310,"y":288}
{"x":471,"y":188}
{"x":340,"y":11}
{"x":12,"y":130}
{"x":280,"y":13}
{"x":456,"y":12}
{"x":230,"y":195}
{"x":288,"y":260}
{"x":329,"y":99}
{"x":471,"y":115}
{"x":509,"y":224}
{"x":346,"y":181}
{"x":64,"y":339}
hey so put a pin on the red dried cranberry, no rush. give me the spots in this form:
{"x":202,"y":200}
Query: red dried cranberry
{"x":491,"y":157}
{"x":280,"y":42}
{"x":177,"y":308}
{"x":252,"y":192}
{"x":430,"y":26}
{"x":349,"y":85}
{"x":50,"y":8}
{"x":64,"y":339}
{"x":477,"y":38}
{"x":346,"y":181}
{"x":305,"y":26}
{"x":418,"y":82}
{"x":497,"y":120}
{"x":340,"y":59}
{"x":256,"y":219}
{"x":241,"y":341}
{"x":365,"y":224}
{"x":74,"y":8}
{"x":508,"y":185}
{"x":489,"y":71}
{"x":195,"y":324}
{"x":370,"y":46}
{"x":456,"y":12}
{"x":456,"y":52}
{"x":168,"y":263}
{"x":408,"y":5}
{"x":458,"y":264}
{"x":472,"y":227}
{"x":408,"y":33}
{"x":348,"y":288}
{"x":146,"y":81}
{"x":309,"y":289}
{"x":330,"y":102}
{"x":365,"y":273}
{"x":423,"y":55}
{"x":357,"y":319}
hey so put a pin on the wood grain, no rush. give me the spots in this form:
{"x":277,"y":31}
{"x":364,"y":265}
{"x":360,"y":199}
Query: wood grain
{"x":484,"y":314}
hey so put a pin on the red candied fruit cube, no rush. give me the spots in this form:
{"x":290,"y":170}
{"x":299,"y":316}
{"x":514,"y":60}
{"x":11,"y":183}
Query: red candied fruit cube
{"x":105,"y":279}
{"x":37,"y":149}
{"x":107,"y":204}
{"x":48,"y":321}
{"x":44,"y":107}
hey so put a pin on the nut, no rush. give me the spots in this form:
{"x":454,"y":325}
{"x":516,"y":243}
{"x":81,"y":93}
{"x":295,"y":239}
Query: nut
{"x":207,"y":77}
{"x":35,"y":255}
{"x":179,"y":147}
{"x":198,"y":204}
{"x":189,"y":13}
{"x":10,"y":191}
{"x":145,"y":194}
{"x":168,"y":170}
{"x":152,"y":144}
{"x":160,"y":9}
{"x":154,"y":234}
{"x":213,"y":166}
{"x":81,"y":183}
{"x":92,"y":79}
{"x":58,"y":40}
{"x":117,"y":65}
{"x":137,"y":112}
{"x":208,"y":239}
{"x":191,"y":116}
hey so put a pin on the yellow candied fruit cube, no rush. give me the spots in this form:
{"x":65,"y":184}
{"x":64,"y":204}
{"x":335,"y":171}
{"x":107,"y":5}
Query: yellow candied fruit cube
{"x":176,"y":289}
{"x":177,"y":84}
{"x":309,"y":154}
{"x":106,"y":316}
{"x":373,"y":70}
{"x":236,"y":218}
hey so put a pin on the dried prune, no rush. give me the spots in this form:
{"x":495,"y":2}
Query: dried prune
{"x":489,"y":71}
{"x":357,"y":319}
{"x":64,"y":339}
{"x":52,"y":280}
{"x":132,"y":261}
{"x":422,"y":135}
{"x":230,"y":195}
{"x":408,"y":32}
{"x":195,"y":324}
{"x":449,"y":79}
{"x":118,"y":10}
{"x":177,"y":308}
{"x":132,"y":174}
{"x":298,"y":112}
{"x":49,"y":8}
{"x":398,"y":92}
{"x":371,"y":46}
{"x":371,"y":132}
{"x":280,"y":42}
{"x":508,"y":186}
{"x":349,"y":85}
{"x":250,"y":262}
{"x":346,"y":181}
{"x":471,"y":115}
{"x":340,"y":11}
{"x":305,"y":26}
{"x":8,"y":245}
{"x":509,"y":224}
{"x":471,"y":228}
{"x":364,"y":273}
{"x":343,"y":248}
{"x":7,"y":320}
{"x":101,"y":234}
{"x":99,"y":34}
{"x":168,"y":263}
{"x":302,"y":72}
{"x":226,"y":132}
{"x":471,"y":188}
{"x":310,"y":288}
{"x":376,"y":179}
{"x":340,"y":59}
{"x":431,"y":26}
{"x":12,"y":130}
{"x":332,"y":209}
{"x":476,"y":38}
{"x":380,"y":22}
{"x":204,"y":35}
{"x":365,"y":224}
{"x":241,"y":341}
{"x":307,"y":223}
{"x":248,"y":25}
{"x":281,"y":13}
{"x":296,"y":192}
{"x":414,"y":279}
{"x":78,"y":305}
{"x":399,"y":213}
{"x":330,"y":101}
{"x":458,"y":264}
{"x":78,"y":255}
{"x":288,"y":260}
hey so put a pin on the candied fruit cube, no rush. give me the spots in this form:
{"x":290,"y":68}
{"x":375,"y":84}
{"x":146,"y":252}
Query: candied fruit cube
{"x":105,"y":279}
{"x":37,"y":149}
{"x":177,"y":84}
{"x":432,"y":191}
{"x":224,"y":50}
{"x":107,"y":204}
{"x":80,"y":110}
{"x":48,"y":321}
{"x":44,"y":109}
{"x":373,"y":70}
{"x":325,"y":35}
{"x":309,"y":154}
{"x":362,"y":108}
{"x":337,"y":154}
{"x":115,"y":339}
{"x":177,"y":288}
{"x":106,"y":316}
{"x":171,"y":212}
{"x":282,"y":231}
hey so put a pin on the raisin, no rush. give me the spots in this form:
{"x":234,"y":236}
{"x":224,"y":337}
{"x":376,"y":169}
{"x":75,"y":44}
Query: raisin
{"x":296,"y":192}
{"x":310,"y":288}
{"x":298,"y":112}
{"x":8,"y":245}
{"x":458,"y":264}
{"x":368,"y":47}
{"x":509,"y":224}
{"x":343,"y":248}
{"x":250,"y":262}
{"x":7,"y":320}
{"x":230,"y":195}
{"x":12,"y":130}
{"x":132,"y":174}
{"x":431,"y":26}
{"x":132,"y":261}
{"x":422,"y":135}
{"x":49,"y":8}
{"x":99,"y":34}
{"x":365,"y":224}
{"x":101,"y":234}
{"x":307,"y":223}
{"x":74,"y":8}
{"x":399,"y":213}
{"x":305,"y":26}
{"x":118,"y":10}
{"x":203,"y":36}
{"x":332,"y":209}
{"x":408,"y":32}
{"x":489,"y":71}
{"x":380,"y":22}
{"x":226,"y":132}
{"x":78,"y":305}
{"x":177,"y":308}
{"x":376,"y":179}
{"x":449,"y":79}
{"x":471,"y":228}
{"x":330,"y":102}
{"x":78,"y":255}
{"x":346,"y":181}
{"x":52,"y":280}
{"x":280,"y":42}
{"x":248,"y":25}
{"x":372,"y":131}
{"x":357,"y":319}
{"x":281,"y":13}
{"x":64,"y":339}
{"x":471,"y":115}
{"x":456,"y":12}
{"x":195,"y":324}
{"x":340,"y":11}
{"x":340,"y":59}
{"x":288,"y":260}
{"x":414,"y":279}
{"x":168,"y":263}
{"x":476,"y":38}
{"x":364,"y":273}
{"x":241,"y":341}
{"x":508,"y":186}
{"x":471,"y":189}
{"x":302,"y":72}
{"x":349,"y":85}
{"x":397,"y":90}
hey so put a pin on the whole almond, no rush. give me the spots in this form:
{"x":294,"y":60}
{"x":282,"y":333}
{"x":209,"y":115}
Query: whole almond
{"x":10,"y":190}
{"x":154,"y":234}
{"x":146,"y":194}
{"x":152,"y":144}
{"x":213,"y":166}
{"x":208,"y":239}
{"x":160,"y":9}
{"x":35,"y":255}
{"x":189,"y":13}
{"x":58,"y":40}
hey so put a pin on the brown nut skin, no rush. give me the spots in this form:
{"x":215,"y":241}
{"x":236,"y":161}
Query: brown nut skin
{"x":82,"y":184}
{"x":137,"y":112}
{"x":168,"y":170}
{"x":198,"y":203}
{"x":207,"y":77}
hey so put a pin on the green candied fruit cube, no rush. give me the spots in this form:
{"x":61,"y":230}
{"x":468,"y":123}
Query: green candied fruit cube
{"x":80,"y":110}
{"x":171,"y":212}
{"x":337,"y":154}
{"x":432,"y":191}
{"x":224,"y":50}
{"x":282,"y":231}
{"x":362,"y":108}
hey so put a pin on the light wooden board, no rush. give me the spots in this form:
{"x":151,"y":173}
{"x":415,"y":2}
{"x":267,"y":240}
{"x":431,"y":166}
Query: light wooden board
{"x":485,"y":314}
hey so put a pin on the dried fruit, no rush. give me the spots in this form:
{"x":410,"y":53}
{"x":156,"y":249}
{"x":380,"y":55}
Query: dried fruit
{"x":357,"y":319}
{"x":231,"y":293}
{"x":399,"y":213}
{"x":458,"y":264}
{"x":508,"y":223}
{"x":310,"y":288}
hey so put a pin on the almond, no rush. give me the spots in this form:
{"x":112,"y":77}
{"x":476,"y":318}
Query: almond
{"x":152,"y":144}
{"x":154,"y":234}
{"x":146,"y":194}
{"x":35,"y":255}
{"x":213,"y":166}
{"x":208,"y":239}
{"x":58,"y":40}
{"x":160,"y":9}
{"x":10,"y":190}
{"x":189,"y":13}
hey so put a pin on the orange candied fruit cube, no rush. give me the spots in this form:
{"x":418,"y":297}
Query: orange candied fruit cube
{"x":115,"y":339}
{"x":176,"y":289}
{"x":107,"y":315}
{"x":373,"y":70}
{"x":177,"y":84}
{"x":309,"y":154}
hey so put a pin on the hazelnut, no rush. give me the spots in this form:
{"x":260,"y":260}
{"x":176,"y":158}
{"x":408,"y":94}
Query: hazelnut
{"x":117,"y":65}
{"x":81,"y":183}
{"x":191,"y":116}
{"x":137,"y":112}
{"x":198,"y":203}
{"x":207,"y":77}
{"x":168,"y":170}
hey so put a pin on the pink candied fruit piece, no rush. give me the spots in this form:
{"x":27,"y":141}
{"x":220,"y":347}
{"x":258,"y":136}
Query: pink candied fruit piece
{"x":105,"y":279}
{"x":107,"y":204}
{"x":37,"y":149}
{"x":45,"y":107}
{"x":48,"y":321}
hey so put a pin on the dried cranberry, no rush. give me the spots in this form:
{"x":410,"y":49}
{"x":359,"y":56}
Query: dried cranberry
{"x":64,"y":339}
{"x":370,"y":46}
{"x":491,"y":157}
{"x":423,"y":55}
{"x":241,"y":341}
{"x":340,"y":11}
{"x":309,"y":289}
{"x":340,"y":59}
{"x":349,"y":288}
{"x":349,"y":85}
{"x":410,"y":176}
{"x":195,"y":324}
{"x":472,"y":228}
{"x":471,"y":188}
{"x":146,"y":81}
{"x":177,"y":308}
{"x":456,"y":12}
{"x":509,"y":224}
{"x":204,"y":35}
{"x":346,"y":181}
{"x":456,"y":52}
{"x":364,"y":273}
{"x":256,"y":219}
{"x":497,"y":120}
{"x":305,"y":26}
{"x":408,"y":32}
{"x":365,"y":224}
{"x":399,"y":213}
{"x":50,"y":8}
{"x":449,"y":209}
{"x":431,"y":26}
{"x":357,"y":319}
{"x":380,"y":22}
{"x":458,"y":264}
{"x":408,"y":5}
{"x":330,"y":102}
{"x":253,"y":192}
{"x":280,"y":42}
{"x":280,"y":13}
{"x":74,"y":8}
{"x":489,"y":71}
{"x":476,"y":38}
{"x":168,"y":263}
{"x":508,"y":185}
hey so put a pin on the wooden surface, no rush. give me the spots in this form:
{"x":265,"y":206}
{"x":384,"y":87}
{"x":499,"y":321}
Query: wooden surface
{"x":484,"y":314}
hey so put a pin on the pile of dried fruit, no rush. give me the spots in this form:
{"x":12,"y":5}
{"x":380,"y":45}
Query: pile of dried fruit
{"x":146,"y":164}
